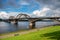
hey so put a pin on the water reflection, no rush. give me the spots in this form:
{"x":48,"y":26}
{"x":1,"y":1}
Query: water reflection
{"x":10,"y":27}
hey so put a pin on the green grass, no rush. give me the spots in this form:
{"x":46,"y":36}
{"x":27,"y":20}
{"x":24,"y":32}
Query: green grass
{"x":48,"y":33}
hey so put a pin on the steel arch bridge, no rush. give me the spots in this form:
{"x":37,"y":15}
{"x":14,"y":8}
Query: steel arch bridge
{"x":22,"y":16}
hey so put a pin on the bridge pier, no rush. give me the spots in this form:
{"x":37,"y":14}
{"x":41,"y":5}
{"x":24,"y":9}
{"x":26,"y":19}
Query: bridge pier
{"x":15,"y":22}
{"x":32,"y":25}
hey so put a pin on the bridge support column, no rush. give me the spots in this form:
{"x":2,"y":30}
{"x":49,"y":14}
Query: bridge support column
{"x":16,"y":22}
{"x":32,"y":25}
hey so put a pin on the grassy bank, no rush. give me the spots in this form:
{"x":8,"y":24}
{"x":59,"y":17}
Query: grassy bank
{"x":48,"y":33}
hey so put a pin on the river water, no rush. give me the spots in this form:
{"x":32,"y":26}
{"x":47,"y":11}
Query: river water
{"x":10,"y":27}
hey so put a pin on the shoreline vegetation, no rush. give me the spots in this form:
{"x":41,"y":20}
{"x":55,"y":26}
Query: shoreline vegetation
{"x":38,"y":31}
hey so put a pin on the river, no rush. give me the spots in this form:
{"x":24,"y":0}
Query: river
{"x":10,"y":27}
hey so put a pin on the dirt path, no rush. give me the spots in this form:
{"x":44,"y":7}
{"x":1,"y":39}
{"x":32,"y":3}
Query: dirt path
{"x":18,"y":33}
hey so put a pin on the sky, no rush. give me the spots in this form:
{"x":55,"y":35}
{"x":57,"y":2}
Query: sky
{"x":32,"y":7}
{"x":27,"y":6}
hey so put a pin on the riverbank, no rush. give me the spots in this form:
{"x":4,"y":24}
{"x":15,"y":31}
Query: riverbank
{"x":19,"y":31}
{"x":48,"y":33}
{"x":16,"y":33}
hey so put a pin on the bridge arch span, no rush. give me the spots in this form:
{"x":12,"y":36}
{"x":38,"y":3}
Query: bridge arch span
{"x":11,"y":17}
{"x":22,"y":16}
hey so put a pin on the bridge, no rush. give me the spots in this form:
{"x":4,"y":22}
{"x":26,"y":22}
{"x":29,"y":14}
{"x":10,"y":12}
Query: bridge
{"x":32,"y":20}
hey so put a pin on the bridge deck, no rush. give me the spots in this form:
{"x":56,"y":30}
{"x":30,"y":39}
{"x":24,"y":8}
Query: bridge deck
{"x":26,"y":19}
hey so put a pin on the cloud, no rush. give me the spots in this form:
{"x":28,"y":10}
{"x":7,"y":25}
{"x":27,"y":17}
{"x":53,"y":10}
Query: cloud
{"x":54,"y":5}
{"x":41,"y":12}
{"x":4,"y":15}
{"x":3,"y":4}
{"x":13,"y":3}
{"x":23,"y":3}
{"x":13,"y":13}
{"x":46,"y":12}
